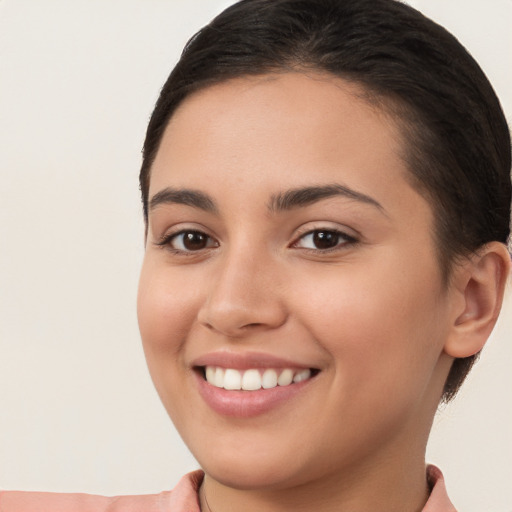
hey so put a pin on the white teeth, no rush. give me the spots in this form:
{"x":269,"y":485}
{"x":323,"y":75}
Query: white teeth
{"x":269,"y":379}
{"x":210,"y":374}
{"x":302,"y":375}
{"x":253,"y":379}
{"x":218,"y":379}
{"x":232,"y":379}
{"x":285,"y":377}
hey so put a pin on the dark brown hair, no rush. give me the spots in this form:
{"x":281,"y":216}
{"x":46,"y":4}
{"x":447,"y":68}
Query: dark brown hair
{"x":457,"y":142}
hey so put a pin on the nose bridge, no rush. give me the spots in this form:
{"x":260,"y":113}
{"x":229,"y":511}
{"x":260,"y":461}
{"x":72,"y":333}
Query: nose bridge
{"x":243,"y":294}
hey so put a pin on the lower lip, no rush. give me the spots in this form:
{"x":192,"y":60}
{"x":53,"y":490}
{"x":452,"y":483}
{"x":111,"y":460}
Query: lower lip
{"x":246,"y":404}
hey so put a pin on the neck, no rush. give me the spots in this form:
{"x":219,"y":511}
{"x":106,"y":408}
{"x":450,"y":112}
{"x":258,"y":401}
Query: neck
{"x":390,"y":486}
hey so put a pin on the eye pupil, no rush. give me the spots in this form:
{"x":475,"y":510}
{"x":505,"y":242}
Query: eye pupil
{"x":193,"y":240}
{"x":325,"y":239}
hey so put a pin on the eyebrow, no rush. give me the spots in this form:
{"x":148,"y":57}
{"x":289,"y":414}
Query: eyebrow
{"x":283,"y":201}
{"x":188,"y":197}
{"x":307,"y":195}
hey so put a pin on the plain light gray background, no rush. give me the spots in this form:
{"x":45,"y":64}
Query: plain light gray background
{"x":78,"y":412}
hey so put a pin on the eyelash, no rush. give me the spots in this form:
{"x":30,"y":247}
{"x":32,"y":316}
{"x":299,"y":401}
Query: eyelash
{"x":343,"y":240}
{"x":166,"y":241}
{"x":346,"y":240}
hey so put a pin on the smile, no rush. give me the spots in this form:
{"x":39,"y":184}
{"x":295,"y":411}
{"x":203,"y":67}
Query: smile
{"x":245,"y":386}
{"x":254,"y":379}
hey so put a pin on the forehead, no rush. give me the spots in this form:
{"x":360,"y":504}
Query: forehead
{"x":296,"y":100}
{"x":279,"y":131}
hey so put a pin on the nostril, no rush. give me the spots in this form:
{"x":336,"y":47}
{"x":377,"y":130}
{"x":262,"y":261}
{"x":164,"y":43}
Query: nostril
{"x":240,"y":315}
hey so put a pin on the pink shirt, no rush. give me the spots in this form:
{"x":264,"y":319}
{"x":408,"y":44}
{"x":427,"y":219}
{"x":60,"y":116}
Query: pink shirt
{"x":183,"y":498}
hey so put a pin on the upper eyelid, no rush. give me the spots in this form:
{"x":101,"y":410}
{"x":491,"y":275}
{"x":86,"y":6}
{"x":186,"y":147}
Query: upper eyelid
{"x":339,"y":232}
{"x":311,"y":227}
{"x":182,"y":227}
{"x":327,"y":230}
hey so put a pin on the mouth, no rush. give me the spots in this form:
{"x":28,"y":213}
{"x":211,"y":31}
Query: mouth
{"x":254,"y":379}
{"x":249,"y":384}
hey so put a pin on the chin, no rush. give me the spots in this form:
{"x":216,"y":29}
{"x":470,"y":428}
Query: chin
{"x":247,"y":476}
{"x":254,"y":468}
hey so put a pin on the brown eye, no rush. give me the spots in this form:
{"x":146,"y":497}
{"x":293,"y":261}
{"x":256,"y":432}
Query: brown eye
{"x":188,"y":241}
{"x":324,"y":239}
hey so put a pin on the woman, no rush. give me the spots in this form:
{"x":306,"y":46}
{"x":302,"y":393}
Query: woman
{"x":326,"y":189}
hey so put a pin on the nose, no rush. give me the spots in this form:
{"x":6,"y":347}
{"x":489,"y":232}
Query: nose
{"x":243,"y":297}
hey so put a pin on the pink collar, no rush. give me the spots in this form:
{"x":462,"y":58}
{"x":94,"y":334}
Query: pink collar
{"x":438,"y":500}
{"x":184,"y":497}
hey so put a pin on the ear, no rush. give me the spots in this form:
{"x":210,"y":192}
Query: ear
{"x":480,"y":283}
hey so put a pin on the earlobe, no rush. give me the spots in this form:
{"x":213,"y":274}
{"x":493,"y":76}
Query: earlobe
{"x":481,"y":282}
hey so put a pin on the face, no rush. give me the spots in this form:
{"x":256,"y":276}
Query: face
{"x":285,"y":244}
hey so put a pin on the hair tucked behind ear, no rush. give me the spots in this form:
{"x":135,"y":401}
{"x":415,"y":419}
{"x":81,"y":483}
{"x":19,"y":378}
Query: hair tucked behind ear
{"x":457,"y":143}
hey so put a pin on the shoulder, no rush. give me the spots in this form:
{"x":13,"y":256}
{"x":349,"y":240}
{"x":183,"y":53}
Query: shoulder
{"x":19,"y":501}
{"x":182,"y":498}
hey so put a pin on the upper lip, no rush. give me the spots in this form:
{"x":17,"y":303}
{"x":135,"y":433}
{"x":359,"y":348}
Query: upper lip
{"x":246,"y":360}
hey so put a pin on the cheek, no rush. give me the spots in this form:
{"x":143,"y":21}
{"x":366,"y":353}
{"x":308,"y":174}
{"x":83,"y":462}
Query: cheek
{"x":166,"y":308}
{"x":382,"y":326}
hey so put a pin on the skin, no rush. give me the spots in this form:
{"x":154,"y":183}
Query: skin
{"x":373,"y":315}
